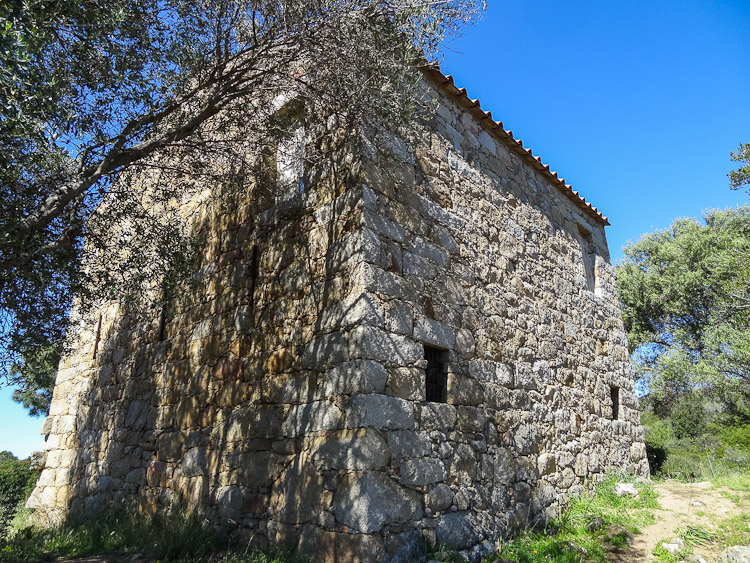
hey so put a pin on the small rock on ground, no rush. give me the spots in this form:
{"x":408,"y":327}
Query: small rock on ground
{"x":735,"y":554}
{"x":674,"y":546}
{"x":626,"y":489}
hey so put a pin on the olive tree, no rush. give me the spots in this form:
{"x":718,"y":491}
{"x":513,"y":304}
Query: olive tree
{"x":98,"y":93}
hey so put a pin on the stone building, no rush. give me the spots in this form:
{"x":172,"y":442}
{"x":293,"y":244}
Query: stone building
{"x":420,"y":347}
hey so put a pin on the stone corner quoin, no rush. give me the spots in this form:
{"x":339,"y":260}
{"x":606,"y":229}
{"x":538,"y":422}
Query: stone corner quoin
{"x":428,"y":348}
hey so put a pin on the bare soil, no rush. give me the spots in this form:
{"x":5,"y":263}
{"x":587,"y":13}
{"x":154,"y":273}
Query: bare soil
{"x":682,"y":504}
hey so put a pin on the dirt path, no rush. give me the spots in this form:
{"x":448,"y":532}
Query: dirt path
{"x":683,"y":504}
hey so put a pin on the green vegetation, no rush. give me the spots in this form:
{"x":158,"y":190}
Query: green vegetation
{"x":693,"y":442}
{"x":596,"y":523}
{"x":104,"y":93}
{"x":16,"y":482}
{"x":725,"y":532}
{"x":741,"y":177}
{"x":685,"y":295}
{"x":172,"y":536}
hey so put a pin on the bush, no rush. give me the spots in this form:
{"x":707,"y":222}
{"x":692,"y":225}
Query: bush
{"x":734,"y":436}
{"x":656,"y":456}
{"x":688,"y":417}
{"x":16,"y":482}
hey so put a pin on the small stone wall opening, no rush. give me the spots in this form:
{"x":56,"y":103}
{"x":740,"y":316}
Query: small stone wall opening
{"x":254,"y":259}
{"x":98,"y":336}
{"x":290,"y":152}
{"x":436,"y":378}
{"x":588,"y":249}
{"x":614,"y":393}
{"x":162,"y":324}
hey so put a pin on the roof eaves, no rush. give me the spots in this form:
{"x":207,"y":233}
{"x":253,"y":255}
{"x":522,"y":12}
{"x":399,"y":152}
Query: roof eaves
{"x":445,"y":82}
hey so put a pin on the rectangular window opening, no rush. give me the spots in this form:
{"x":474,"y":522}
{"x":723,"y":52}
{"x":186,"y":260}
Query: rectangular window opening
{"x":614,"y":393}
{"x":588,"y":249}
{"x":436,"y":380}
{"x":290,"y":163}
{"x":290,"y":150}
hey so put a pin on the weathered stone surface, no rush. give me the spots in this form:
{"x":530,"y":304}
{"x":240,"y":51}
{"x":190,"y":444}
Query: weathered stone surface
{"x":377,"y":344}
{"x":430,"y":251}
{"x":526,"y":439}
{"x":439,"y":497}
{"x":404,"y":547}
{"x":458,"y":530}
{"x":367,"y":501}
{"x":437,"y":416}
{"x":542,"y":496}
{"x":465,"y":343}
{"x":400,"y":319}
{"x":546,"y":464}
{"x":422,"y":471}
{"x":253,"y":421}
{"x":329,"y":349}
{"x":351,"y":450}
{"x":406,"y":383}
{"x":311,"y":417}
{"x":298,"y":497}
{"x":230,"y":501}
{"x":408,"y":444}
{"x":674,"y":545}
{"x":338,"y":547}
{"x":380,"y":411}
{"x":434,"y":333}
{"x":357,"y":309}
{"x":504,"y":466}
{"x":625,"y":489}
{"x":735,"y":554}
{"x":358,"y":376}
{"x":195,"y":462}
{"x":492,"y":372}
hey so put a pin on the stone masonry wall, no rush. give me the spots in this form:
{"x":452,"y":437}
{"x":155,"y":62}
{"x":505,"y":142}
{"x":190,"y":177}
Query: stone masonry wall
{"x":284,"y":396}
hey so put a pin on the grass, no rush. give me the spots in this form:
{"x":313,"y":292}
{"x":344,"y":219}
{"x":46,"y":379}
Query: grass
{"x":737,"y":481}
{"x":734,"y":530}
{"x":172,"y":536}
{"x":177,"y":536}
{"x":569,"y":539}
{"x":664,"y":556}
{"x":697,"y":535}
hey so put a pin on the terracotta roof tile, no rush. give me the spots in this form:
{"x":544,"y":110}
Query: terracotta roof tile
{"x":446,"y":83}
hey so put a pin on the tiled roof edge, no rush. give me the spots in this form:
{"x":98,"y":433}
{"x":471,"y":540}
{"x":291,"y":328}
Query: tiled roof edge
{"x":445,"y":83}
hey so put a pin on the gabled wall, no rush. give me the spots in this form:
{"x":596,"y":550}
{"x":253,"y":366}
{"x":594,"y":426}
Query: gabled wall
{"x":284,"y":397}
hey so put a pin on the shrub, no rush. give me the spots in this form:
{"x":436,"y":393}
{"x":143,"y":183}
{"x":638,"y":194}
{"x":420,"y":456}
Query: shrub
{"x":736,"y":436}
{"x":16,"y":481}
{"x":688,"y":417}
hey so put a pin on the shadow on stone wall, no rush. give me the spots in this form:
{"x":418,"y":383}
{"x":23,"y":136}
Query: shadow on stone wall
{"x":222,"y":407}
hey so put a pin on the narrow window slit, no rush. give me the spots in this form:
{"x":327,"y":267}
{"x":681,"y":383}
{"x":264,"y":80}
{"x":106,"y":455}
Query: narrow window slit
{"x":253,"y":276}
{"x":162,"y":324}
{"x":614,"y":393}
{"x":588,"y":249}
{"x":98,"y":335}
{"x":436,"y":380}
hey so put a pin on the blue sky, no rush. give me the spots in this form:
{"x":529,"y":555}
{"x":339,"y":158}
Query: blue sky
{"x":636,"y":104}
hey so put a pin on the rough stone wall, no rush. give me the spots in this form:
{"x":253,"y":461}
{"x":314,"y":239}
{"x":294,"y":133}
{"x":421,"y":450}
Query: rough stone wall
{"x":484,"y":257}
{"x":284,"y":398}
